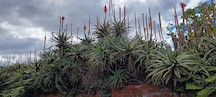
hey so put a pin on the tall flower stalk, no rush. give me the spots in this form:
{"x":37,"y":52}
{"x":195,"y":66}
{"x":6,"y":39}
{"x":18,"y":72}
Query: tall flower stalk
{"x":105,"y":11}
{"x":183,"y":5}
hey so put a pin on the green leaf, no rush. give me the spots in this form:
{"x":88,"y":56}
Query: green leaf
{"x":190,"y":86}
{"x":211,"y":79}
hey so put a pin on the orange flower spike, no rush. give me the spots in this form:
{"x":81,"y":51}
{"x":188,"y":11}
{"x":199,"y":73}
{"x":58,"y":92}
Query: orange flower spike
{"x":105,"y":9}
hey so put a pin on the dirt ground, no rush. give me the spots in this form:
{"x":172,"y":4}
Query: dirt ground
{"x":143,"y":90}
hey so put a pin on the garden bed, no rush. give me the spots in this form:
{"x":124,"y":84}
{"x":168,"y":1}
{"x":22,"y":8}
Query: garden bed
{"x":142,"y":90}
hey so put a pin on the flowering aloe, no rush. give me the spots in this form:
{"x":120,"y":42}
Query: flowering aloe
{"x":150,"y":23}
{"x":62,"y":18}
{"x":105,"y":9}
{"x":62,"y":23}
{"x":84,"y":27}
{"x":183,"y":5}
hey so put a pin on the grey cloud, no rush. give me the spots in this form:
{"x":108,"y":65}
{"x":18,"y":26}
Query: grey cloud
{"x":13,"y":45}
{"x":3,"y":34}
{"x":156,"y":6}
{"x":37,"y":12}
{"x":45,"y":13}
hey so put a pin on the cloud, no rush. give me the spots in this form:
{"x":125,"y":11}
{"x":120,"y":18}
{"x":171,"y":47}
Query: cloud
{"x":13,"y":44}
{"x":23,"y":23}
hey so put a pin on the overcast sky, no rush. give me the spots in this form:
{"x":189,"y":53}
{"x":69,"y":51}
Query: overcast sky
{"x":23,"y":23}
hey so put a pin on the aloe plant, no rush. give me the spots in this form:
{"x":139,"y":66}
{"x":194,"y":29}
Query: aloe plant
{"x":169,"y":67}
{"x":101,"y":56}
{"x":18,"y":82}
{"x":102,"y":30}
{"x":127,"y":54}
{"x":118,"y":78}
{"x":203,"y":74}
{"x":119,"y":29}
{"x":113,"y":60}
{"x":62,"y":43}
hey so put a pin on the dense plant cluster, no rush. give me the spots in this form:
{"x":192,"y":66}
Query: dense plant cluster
{"x":114,"y":60}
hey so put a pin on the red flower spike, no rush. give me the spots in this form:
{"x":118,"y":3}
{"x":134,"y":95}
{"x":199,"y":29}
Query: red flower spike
{"x":84,"y":27}
{"x":105,"y":9}
{"x":182,"y":5}
{"x":63,"y":18}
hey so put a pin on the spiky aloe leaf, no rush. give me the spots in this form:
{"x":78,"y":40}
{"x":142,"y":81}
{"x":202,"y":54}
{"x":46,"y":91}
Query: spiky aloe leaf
{"x":191,"y":86}
{"x":117,"y":79}
{"x":202,"y":93}
{"x":14,"y":92}
{"x":208,"y":90}
{"x":211,"y":79}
